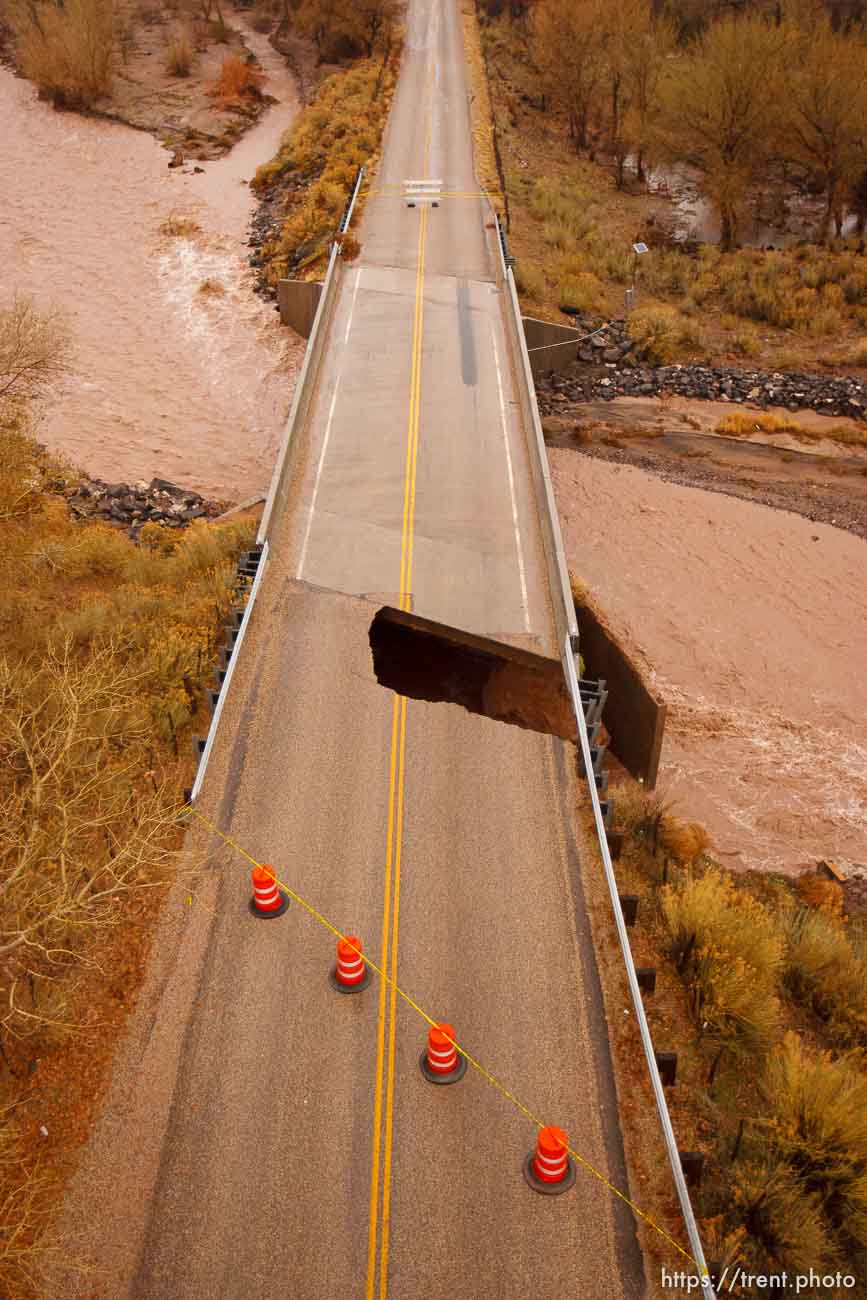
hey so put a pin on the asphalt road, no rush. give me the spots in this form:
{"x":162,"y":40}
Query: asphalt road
{"x":267,"y":1137}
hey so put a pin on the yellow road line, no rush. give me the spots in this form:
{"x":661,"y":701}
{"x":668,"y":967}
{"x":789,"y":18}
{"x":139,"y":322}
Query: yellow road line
{"x":389,"y":1100}
{"x":380,"y":1034}
{"x":471,"y":1060}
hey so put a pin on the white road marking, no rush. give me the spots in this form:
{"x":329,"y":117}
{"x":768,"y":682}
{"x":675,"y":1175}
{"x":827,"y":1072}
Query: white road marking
{"x":352,"y":306}
{"x":518,"y":545}
{"x":318,"y":477}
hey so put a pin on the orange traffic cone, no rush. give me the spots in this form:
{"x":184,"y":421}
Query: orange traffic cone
{"x":351,"y":974}
{"x":441,"y":1062}
{"x":550,"y":1168}
{"x":268,"y":898}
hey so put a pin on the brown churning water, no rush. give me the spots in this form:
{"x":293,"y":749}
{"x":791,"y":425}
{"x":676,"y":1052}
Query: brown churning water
{"x":168,"y":380}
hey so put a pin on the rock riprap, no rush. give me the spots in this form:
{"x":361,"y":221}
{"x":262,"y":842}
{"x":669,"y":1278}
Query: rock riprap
{"x":608,"y":367}
{"x":131,"y":505}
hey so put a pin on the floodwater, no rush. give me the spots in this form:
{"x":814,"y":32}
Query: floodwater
{"x":194,"y":387}
{"x":767,"y":221}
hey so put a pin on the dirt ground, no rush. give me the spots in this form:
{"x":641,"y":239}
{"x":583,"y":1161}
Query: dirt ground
{"x":751,"y":622}
{"x":676,"y":440}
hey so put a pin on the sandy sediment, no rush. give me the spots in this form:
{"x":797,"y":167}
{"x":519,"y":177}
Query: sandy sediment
{"x":752,"y":623}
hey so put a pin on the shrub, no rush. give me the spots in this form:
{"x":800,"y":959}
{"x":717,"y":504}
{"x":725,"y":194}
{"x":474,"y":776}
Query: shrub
{"x":529,"y":279}
{"x":350,"y":248}
{"x":823,"y":895}
{"x":237,"y":81}
{"x":212,"y":288}
{"x":782,"y":1215}
{"x":818,"y":1126}
{"x":68,"y":50}
{"x":725,"y":944}
{"x":179,"y":57}
{"x":180,"y":227}
{"x":825,"y":971}
{"x":262,"y":22}
{"x":740,"y":424}
{"x":583,"y":292}
{"x":657,"y":332}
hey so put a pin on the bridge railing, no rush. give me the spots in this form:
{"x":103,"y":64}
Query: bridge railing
{"x":565,"y":621}
{"x":278,"y":491}
{"x":305,"y":385}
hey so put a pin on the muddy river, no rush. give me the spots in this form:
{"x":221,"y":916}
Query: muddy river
{"x":168,"y":380}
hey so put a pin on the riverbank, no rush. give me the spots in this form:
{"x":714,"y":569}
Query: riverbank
{"x":679,"y":444}
{"x":168,"y":79}
{"x":748,"y":620}
{"x":175,"y":355}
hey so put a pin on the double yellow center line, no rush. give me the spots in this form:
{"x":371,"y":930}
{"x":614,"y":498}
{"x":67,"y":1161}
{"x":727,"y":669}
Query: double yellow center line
{"x":382,"y":1125}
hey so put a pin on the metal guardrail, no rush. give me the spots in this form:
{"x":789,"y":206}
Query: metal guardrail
{"x":227,"y":680}
{"x":632,"y":978}
{"x":307,"y":376}
{"x":301,"y":399}
{"x":347,"y":211}
{"x":568,"y":643}
{"x":555,"y":556}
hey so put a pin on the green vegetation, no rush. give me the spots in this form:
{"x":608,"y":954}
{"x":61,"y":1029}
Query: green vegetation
{"x":762,"y":990}
{"x":107,"y":648}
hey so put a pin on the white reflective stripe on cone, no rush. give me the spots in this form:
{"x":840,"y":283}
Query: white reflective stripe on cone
{"x":552,"y":1166}
{"x":350,"y":965}
{"x":271,"y":897}
{"x":443,"y":1064}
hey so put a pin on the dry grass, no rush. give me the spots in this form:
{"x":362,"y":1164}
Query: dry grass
{"x":339,"y":131}
{"x":827,"y":972}
{"x":743,"y":424}
{"x":211,"y":288}
{"x":481,"y":110}
{"x":784,"y":1181}
{"x":106,"y":653}
{"x":178,"y":227}
{"x":69,"y":51}
{"x":179,"y":57}
{"x":238,"y":82}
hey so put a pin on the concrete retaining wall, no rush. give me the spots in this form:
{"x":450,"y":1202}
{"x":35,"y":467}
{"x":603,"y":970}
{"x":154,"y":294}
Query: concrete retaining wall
{"x":546,"y":345}
{"x":298,"y":300}
{"x":633,"y":715}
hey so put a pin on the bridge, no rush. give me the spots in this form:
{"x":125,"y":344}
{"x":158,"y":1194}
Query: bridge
{"x":281,"y":1140}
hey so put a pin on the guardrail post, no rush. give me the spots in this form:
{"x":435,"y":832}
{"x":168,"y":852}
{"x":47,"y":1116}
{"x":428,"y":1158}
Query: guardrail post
{"x":629,"y":907}
{"x":666,"y":1063}
{"x":692,"y":1164}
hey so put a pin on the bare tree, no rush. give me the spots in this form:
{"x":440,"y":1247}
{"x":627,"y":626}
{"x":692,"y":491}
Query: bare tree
{"x":646,"y":59}
{"x":826,"y":117}
{"x":35,"y":349}
{"x":568,"y":50}
{"x":81,"y":828}
{"x":722,"y":109}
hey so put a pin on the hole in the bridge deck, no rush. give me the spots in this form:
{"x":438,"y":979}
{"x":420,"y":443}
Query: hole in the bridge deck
{"x":430,"y":661}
